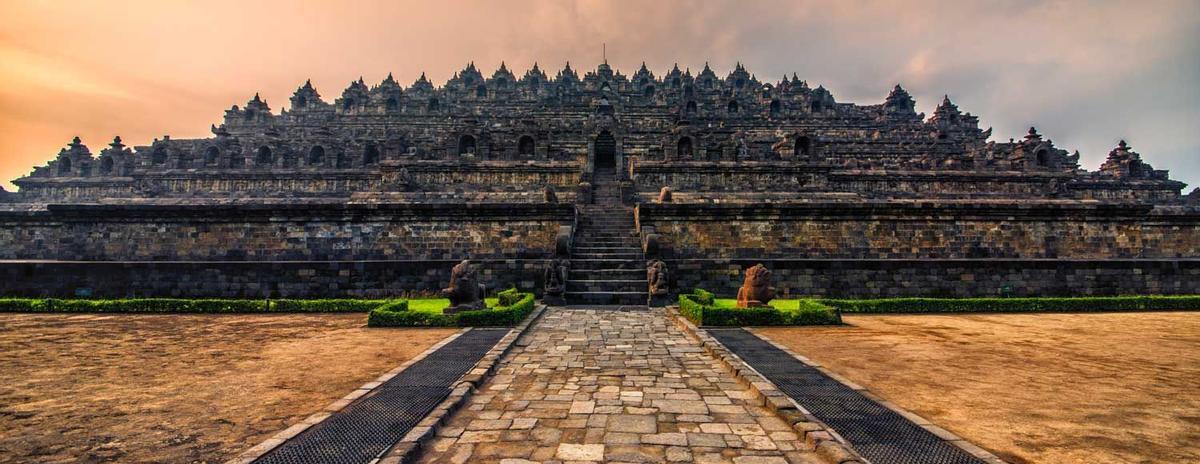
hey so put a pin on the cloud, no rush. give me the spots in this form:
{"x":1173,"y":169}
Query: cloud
{"x":1086,"y":73}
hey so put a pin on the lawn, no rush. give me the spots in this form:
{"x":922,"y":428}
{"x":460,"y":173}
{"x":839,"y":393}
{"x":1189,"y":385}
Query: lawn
{"x":783,"y":305}
{"x":1063,"y":388}
{"x":436,"y":305}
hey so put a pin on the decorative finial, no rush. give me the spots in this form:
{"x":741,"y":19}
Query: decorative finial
{"x":1122,"y":145}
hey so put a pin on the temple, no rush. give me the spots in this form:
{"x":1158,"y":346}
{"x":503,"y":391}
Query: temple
{"x":383,"y":189}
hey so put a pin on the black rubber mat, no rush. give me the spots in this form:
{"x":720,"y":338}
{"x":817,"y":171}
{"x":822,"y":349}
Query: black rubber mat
{"x":369,"y":426}
{"x":878,"y":433}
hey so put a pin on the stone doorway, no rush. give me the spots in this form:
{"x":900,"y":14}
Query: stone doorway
{"x":606,"y":151}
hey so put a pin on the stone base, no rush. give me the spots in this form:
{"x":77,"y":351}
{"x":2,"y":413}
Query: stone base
{"x":554,"y":300}
{"x":659,"y":301}
{"x":474,"y":306}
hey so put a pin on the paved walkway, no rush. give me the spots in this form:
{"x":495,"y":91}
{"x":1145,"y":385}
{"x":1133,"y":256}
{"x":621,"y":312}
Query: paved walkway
{"x":618,"y":386}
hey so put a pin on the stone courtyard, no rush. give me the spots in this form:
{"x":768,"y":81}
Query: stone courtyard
{"x":617,"y":386}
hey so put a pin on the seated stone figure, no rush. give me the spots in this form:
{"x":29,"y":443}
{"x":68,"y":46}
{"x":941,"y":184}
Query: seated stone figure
{"x":756,"y":290}
{"x":659,"y":283}
{"x":556,"y":281}
{"x":465,"y":292}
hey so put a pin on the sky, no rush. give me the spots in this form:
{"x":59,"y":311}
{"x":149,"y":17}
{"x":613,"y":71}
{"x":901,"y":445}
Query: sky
{"x":1086,"y":73}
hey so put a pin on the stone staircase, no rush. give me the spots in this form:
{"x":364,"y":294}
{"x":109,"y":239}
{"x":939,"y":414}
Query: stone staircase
{"x":607,"y":264}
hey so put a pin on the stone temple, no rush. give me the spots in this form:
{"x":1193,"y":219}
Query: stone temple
{"x":575,"y":183}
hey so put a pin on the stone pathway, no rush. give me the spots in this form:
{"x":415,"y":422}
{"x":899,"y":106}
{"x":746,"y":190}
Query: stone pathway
{"x":616,"y":386}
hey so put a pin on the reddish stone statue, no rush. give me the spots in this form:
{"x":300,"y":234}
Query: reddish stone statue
{"x":756,"y":289}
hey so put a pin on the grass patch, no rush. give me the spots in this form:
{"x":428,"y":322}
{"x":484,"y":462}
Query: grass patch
{"x":703,"y":309}
{"x":427,"y":312}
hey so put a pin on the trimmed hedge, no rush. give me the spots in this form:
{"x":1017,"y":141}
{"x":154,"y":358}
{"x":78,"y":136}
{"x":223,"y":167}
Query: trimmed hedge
{"x":509,"y":297}
{"x":397,"y":314}
{"x":703,"y":296}
{"x":333,"y":305}
{"x":700,"y":307}
{"x":180,"y":305}
{"x":1017,"y":305}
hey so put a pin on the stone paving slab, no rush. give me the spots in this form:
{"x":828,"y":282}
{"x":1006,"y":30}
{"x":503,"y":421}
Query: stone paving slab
{"x":593,"y":385}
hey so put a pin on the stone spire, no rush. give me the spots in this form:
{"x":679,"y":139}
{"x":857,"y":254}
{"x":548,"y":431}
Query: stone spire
{"x":306,"y":96}
{"x":900,"y":102}
{"x":1123,"y":162}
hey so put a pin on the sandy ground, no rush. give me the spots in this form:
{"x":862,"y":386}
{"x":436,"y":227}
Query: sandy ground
{"x":178,"y":388}
{"x":1052,"y":388}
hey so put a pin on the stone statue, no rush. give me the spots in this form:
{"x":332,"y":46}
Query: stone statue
{"x":549,"y":196}
{"x":664,"y":195}
{"x":658,"y":281}
{"x":556,"y":281}
{"x":756,"y":290}
{"x":465,"y":292}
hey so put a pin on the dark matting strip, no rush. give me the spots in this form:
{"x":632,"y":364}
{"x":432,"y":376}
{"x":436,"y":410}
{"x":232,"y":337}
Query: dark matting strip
{"x":878,"y":433}
{"x":368,"y":427}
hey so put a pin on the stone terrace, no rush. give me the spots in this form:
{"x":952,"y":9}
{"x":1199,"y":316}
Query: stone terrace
{"x":606,"y":385}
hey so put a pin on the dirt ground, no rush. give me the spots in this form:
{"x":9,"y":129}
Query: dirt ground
{"x":178,"y":388}
{"x":1053,"y":388}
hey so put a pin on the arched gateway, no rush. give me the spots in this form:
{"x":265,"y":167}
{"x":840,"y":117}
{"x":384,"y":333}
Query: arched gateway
{"x":606,"y":151}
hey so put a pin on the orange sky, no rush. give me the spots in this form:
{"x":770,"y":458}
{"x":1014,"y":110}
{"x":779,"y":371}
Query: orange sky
{"x":1086,"y":73}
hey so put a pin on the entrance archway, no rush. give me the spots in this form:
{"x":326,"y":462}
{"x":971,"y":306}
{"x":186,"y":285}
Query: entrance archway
{"x":606,"y":151}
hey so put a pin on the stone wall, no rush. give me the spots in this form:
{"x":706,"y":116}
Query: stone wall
{"x":296,"y":249}
{"x":249,"y":279}
{"x":427,"y":177}
{"x":880,"y":278}
{"x":931,"y":248}
{"x":922,"y":229}
{"x":294,"y":231}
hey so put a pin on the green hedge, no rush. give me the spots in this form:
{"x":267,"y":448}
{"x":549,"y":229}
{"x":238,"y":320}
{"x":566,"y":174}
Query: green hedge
{"x":181,"y":305}
{"x":144,"y":305}
{"x":333,"y":305}
{"x":806,"y":312}
{"x":397,"y":314}
{"x":957,"y":305}
{"x":509,"y":297}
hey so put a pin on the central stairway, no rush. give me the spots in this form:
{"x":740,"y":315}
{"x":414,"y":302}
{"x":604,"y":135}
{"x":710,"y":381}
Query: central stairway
{"x":607,"y":264}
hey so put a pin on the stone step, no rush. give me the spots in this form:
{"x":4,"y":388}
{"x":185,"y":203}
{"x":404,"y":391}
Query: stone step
{"x":607,"y":274}
{"x":631,"y":255}
{"x":606,"y":285}
{"x":607,"y":264}
{"x":608,"y":249}
{"x":600,"y":298}
{"x":605,"y":235}
{"x":598,"y":219}
{"x":612,"y":237}
{"x":610,"y":227}
{"x":621,"y":243}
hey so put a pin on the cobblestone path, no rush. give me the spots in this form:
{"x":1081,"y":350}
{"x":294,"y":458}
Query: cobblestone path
{"x":616,"y":386}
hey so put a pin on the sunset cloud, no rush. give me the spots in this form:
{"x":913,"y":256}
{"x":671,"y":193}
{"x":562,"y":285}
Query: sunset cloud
{"x":1086,"y":73}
